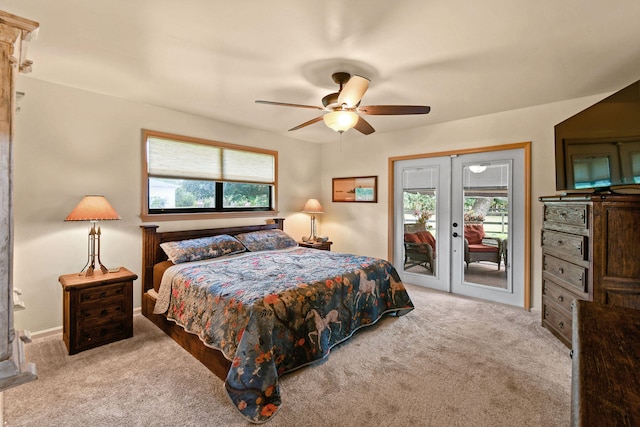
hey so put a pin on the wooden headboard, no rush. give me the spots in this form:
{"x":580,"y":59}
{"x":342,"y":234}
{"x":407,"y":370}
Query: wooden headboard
{"x":153,"y":254}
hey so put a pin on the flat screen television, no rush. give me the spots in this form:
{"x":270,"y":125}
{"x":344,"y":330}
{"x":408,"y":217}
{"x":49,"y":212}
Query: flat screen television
{"x":598,"y":149}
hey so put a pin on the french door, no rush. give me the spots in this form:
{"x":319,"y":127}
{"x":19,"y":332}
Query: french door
{"x":460,"y":224}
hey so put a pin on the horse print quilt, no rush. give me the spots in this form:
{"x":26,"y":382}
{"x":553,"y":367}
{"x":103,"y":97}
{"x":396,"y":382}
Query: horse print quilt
{"x":272,"y":312}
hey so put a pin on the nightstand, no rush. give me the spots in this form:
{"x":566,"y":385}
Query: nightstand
{"x":323,"y":246}
{"x":97,"y":309}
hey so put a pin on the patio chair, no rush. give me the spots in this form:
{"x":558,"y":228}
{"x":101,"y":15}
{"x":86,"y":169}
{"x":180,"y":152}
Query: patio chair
{"x":420,"y":249}
{"x":480,"y":247}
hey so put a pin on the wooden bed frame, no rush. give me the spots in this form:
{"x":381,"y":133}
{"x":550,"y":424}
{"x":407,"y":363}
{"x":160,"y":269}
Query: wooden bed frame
{"x":153,"y":254}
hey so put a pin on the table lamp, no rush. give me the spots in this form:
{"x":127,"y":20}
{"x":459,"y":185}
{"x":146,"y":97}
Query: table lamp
{"x":93,"y":208}
{"x":312,"y":207}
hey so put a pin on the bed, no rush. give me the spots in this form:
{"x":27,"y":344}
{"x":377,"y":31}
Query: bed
{"x":253,"y":312}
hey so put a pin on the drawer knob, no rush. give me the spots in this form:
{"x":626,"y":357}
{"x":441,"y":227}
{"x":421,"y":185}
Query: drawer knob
{"x":561,"y":325}
{"x":104,"y":312}
{"x":103,"y":294}
{"x":560,"y":298}
{"x":560,"y":270}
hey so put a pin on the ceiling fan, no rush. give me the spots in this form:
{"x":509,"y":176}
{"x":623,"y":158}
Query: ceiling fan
{"x":342,"y":108}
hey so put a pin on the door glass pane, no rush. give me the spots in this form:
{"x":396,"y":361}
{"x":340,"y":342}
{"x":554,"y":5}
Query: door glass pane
{"x":419,"y":219}
{"x":486,"y":223}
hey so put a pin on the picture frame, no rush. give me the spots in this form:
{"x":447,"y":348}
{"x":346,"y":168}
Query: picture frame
{"x":359,"y":189}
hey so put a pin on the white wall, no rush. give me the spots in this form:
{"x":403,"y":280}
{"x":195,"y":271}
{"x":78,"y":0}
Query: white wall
{"x":69,"y":143}
{"x":362,"y":228}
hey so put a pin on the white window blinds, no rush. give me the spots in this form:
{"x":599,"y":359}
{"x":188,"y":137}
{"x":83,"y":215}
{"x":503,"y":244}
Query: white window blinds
{"x":176,"y":159}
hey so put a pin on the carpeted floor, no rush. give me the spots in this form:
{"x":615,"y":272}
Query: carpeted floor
{"x":452,"y":361}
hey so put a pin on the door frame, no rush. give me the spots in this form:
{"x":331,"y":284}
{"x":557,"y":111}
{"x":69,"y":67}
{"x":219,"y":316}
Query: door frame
{"x":526,"y":147}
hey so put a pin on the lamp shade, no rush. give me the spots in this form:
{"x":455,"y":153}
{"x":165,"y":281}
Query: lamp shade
{"x":312,"y":206}
{"x":93,"y":208}
{"x":340,"y":120}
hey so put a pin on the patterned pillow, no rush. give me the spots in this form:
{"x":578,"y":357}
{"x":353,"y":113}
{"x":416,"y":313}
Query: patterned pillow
{"x":203,"y":248}
{"x":266,"y":240}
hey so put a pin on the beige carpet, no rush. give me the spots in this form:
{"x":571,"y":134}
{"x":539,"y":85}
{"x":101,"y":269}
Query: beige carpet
{"x":452,"y":361}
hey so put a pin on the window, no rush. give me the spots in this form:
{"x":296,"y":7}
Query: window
{"x":186,"y":178}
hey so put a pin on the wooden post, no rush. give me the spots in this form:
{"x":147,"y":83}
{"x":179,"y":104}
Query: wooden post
{"x":14,"y":31}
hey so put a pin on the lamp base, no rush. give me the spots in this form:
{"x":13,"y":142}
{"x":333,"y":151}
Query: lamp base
{"x":94,"y":253}
{"x":88,"y":271}
{"x":313,"y":229}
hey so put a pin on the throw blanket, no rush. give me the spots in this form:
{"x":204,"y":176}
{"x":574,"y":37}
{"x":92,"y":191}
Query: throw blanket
{"x":275,"y":311}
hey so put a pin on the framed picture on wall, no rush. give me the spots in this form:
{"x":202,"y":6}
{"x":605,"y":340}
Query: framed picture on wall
{"x":362,"y":189}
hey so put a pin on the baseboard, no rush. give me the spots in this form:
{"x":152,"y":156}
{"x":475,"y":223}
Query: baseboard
{"x":47,"y":333}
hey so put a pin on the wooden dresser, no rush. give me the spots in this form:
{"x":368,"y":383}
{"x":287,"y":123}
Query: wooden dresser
{"x":590,"y":251}
{"x":605,"y":386}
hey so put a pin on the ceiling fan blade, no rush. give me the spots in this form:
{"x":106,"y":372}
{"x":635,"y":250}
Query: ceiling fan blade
{"x":310,"y":122}
{"x":363,"y":126}
{"x":353,"y":90}
{"x":285,"y":104}
{"x":394,"y":109}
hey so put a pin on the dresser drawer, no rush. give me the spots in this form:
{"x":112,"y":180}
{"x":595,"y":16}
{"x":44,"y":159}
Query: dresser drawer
{"x":559,"y":295}
{"x":571,"y":274}
{"x":569,"y":214}
{"x":102,"y":293}
{"x":103,"y":313}
{"x":570,"y":245}
{"x":557,"y":320}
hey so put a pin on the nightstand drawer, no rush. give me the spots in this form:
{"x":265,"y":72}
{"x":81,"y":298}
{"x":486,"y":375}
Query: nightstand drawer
{"x":104,"y":313}
{"x":102,"y":293}
{"x":106,"y":333}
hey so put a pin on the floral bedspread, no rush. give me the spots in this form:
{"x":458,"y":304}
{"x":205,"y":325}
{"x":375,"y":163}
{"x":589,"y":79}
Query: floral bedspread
{"x":275,"y":311}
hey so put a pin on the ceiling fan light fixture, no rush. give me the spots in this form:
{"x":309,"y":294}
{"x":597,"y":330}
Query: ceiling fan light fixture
{"x":340,"y":121}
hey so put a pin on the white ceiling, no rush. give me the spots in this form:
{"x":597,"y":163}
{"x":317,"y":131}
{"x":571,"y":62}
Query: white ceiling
{"x":214,"y":58}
